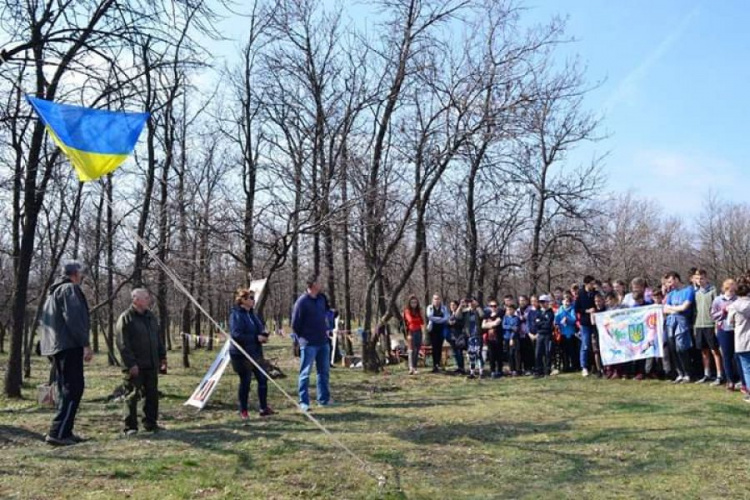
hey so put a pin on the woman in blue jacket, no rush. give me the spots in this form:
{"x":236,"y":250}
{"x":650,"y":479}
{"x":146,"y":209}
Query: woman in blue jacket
{"x":248,"y":331}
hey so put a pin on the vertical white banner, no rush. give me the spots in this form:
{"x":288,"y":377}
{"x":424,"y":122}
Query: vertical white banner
{"x":210,"y":380}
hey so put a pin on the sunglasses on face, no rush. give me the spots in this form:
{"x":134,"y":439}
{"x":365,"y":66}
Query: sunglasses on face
{"x":493,"y":305}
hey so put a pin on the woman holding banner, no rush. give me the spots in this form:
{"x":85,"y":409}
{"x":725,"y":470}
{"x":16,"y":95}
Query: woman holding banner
{"x":248,"y":331}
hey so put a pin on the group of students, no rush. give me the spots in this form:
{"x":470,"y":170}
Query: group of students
{"x":706,"y":331}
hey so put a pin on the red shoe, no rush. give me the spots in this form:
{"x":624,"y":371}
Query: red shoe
{"x":244,"y":415}
{"x":744,"y":390}
{"x":266,"y":412}
{"x":639,"y":377}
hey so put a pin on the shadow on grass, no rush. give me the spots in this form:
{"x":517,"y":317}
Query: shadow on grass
{"x":483,"y":432}
{"x":635,"y":406}
{"x":416,"y":403}
{"x":10,"y":434}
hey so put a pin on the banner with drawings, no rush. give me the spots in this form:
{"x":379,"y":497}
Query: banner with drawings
{"x":630,"y":334}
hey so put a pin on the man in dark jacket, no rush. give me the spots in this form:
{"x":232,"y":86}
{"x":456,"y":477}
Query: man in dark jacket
{"x":584,"y":307}
{"x":64,"y":326}
{"x":544,"y":323}
{"x":310,"y":323}
{"x":143,"y":355}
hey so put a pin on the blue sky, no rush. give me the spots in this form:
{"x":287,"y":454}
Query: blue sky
{"x":675,"y":94}
{"x":675,"y":77}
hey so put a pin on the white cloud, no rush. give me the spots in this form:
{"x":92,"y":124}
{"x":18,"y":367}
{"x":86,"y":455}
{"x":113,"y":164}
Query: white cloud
{"x":627,"y":87}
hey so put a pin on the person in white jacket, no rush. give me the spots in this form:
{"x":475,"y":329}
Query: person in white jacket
{"x":738,"y":316}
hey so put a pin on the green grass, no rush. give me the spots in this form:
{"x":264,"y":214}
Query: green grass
{"x":433,"y":436}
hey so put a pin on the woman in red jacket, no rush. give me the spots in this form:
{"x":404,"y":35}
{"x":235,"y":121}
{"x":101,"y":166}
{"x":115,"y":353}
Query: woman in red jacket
{"x":414,"y":326}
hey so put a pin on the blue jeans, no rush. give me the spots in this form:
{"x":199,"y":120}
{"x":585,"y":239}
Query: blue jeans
{"x":321,"y":354}
{"x":744,"y":366}
{"x":726,"y":344}
{"x":585,"y":345}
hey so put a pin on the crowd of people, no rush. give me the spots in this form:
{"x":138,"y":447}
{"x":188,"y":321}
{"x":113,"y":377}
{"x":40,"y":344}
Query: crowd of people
{"x":706,"y":331}
{"x":706,"y":340}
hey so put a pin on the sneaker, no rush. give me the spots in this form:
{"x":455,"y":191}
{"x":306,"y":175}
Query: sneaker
{"x":471,"y":376}
{"x":129,"y":432}
{"x":555,"y":372}
{"x":527,"y":373}
{"x":746,"y":399}
{"x":584,"y":373}
{"x":412,"y":372}
{"x":304,"y":407}
{"x":717,"y":382}
{"x":78,"y":439}
{"x":678,"y":380}
{"x":244,"y":415}
{"x":638,"y":377}
{"x":53,"y":441}
{"x":266,"y":412}
{"x":705,"y":379}
{"x":327,"y":403}
{"x":743,"y":389}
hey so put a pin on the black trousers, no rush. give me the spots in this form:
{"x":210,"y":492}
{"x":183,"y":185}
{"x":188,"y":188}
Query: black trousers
{"x":543,"y":354}
{"x":245,"y":370}
{"x":69,"y":373}
{"x":436,"y":339}
{"x":495,"y":352}
{"x":145,"y":386}
{"x":527,"y":353}
{"x":570,"y":351}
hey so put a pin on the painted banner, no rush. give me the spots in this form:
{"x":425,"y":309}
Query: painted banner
{"x":210,"y":381}
{"x":630,"y":334}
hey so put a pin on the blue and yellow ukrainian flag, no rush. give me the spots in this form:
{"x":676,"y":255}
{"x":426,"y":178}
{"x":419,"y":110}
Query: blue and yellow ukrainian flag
{"x":96,"y":141}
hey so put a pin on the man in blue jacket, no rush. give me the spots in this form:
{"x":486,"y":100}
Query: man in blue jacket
{"x":64,"y":326}
{"x":310,"y":323}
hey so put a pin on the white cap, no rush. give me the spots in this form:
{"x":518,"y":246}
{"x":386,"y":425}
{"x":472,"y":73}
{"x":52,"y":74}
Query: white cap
{"x":545,"y":298}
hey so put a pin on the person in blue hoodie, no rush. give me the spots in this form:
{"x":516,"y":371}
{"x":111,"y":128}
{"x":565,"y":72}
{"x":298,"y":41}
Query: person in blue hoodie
{"x":565,"y":319}
{"x":249,"y":332}
{"x":512,"y":338}
{"x":310,"y":323}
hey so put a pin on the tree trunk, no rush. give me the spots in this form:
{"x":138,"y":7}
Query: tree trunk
{"x":110,"y":336}
{"x":347,"y":265}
